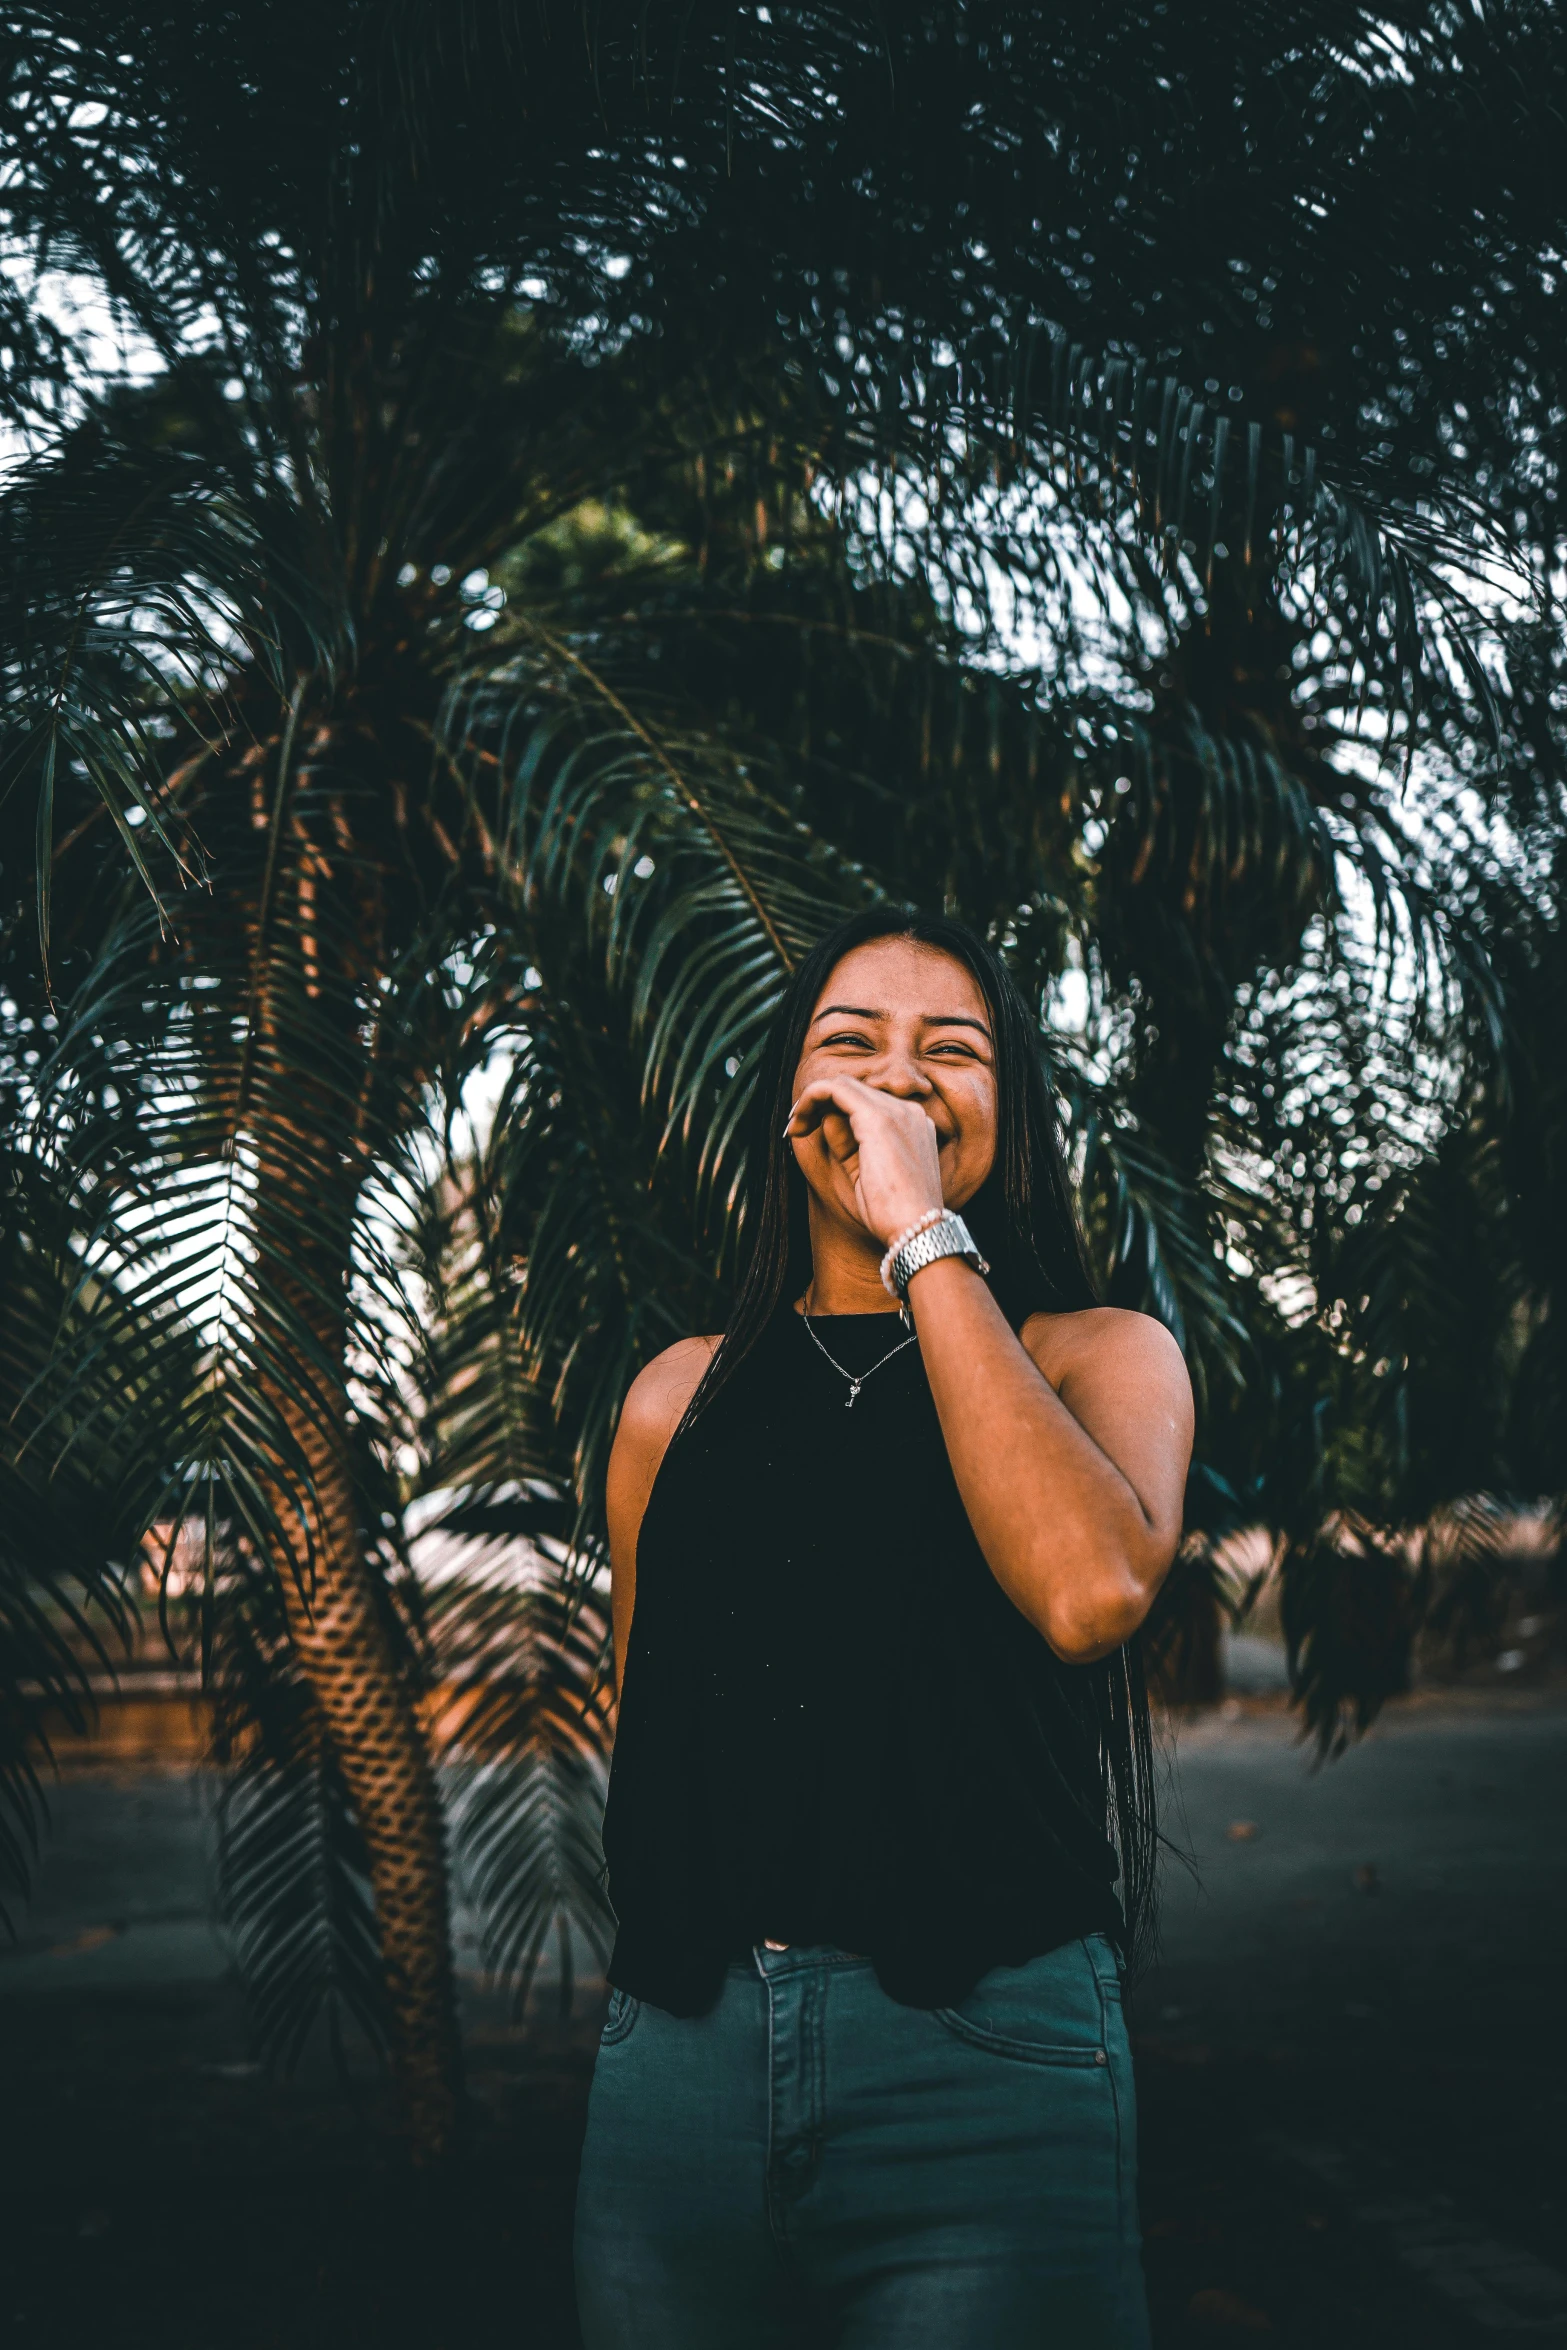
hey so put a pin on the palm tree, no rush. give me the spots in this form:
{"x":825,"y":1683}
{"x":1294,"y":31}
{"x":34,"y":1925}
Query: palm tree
{"x":578,"y":509}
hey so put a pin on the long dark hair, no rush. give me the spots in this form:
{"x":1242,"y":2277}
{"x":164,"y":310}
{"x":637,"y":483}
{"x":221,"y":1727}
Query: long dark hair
{"x":1024,"y":1217}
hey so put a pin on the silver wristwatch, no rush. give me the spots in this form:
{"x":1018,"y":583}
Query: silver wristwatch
{"x":946,"y":1236}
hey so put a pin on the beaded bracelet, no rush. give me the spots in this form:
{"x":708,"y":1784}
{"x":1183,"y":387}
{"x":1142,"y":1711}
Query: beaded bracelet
{"x":948,"y":1236}
{"x":920,"y":1224}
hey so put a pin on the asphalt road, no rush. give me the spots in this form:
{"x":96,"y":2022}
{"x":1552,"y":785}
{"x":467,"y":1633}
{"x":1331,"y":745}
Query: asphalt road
{"x":1351,"y":2058}
{"x":1353,"y":2053}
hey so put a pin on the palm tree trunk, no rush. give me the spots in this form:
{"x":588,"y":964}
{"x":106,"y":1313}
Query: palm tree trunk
{"x":343,"y":1647}
{"x":313,"y":928}
{"x":337,"y":1617}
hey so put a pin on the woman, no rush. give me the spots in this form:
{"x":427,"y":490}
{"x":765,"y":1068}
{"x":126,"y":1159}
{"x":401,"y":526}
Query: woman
{"x":883,"y":1749}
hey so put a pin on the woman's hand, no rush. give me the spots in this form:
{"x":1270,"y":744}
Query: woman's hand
{"x":887,"y":1147}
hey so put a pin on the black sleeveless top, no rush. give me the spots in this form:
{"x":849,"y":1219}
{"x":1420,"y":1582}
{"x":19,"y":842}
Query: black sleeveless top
{"x":835,"y":1726}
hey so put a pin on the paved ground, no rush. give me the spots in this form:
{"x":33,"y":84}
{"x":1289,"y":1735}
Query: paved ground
{"x":1352,"y":2051}
{"x":1351,"y":2060}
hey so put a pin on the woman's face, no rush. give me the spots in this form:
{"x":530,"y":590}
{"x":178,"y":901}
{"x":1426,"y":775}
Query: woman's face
{"x":911,"y":1021}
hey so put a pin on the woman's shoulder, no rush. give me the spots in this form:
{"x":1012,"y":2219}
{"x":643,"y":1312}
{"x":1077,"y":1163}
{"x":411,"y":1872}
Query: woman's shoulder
{"x":657,"y":1397}
{"x":1110,"y":1337}
{"x":654,"y":1408}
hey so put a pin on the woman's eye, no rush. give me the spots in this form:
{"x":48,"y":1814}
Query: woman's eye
{"x":848,"y":1037}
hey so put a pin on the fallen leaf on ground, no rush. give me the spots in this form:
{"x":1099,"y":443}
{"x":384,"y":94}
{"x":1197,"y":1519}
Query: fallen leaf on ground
{"x":90,"y":1938}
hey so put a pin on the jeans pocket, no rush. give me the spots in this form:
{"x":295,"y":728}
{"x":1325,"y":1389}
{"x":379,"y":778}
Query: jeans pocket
{"x":1048,"y":2012}
{"x":622,"y":2016}
{"x":1060,"y":2052}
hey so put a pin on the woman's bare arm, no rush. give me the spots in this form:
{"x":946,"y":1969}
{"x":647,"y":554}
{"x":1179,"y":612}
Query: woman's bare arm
{"x":1071,"y":1446}
{"x":1070,"y":1451}
{"x":654,"y":1407}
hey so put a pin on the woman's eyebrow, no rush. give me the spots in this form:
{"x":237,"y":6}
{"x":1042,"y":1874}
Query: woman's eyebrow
{"x":931,"y":1019}
{"x":849,"y":1011}
{"x":954,"y":1020}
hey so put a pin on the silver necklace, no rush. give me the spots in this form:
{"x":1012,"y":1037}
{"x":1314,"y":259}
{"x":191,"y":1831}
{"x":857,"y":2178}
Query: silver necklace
{"x":856,"y":1384}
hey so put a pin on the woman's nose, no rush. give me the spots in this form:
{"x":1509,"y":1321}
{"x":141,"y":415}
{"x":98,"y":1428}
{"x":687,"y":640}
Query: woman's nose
{"x":900,"y":1074}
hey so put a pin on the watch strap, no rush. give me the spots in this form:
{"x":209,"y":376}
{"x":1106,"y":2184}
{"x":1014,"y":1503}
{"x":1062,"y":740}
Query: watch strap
{"x":946,"y":1236}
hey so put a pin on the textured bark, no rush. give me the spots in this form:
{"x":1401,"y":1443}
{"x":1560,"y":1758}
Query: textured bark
{"x":339,"y":1629}
{"x":345,"y":1652}
{"x":306,"y":1083}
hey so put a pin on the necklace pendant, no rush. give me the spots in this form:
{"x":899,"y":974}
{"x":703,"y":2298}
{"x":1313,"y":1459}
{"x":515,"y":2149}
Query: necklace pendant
{"x":854,"y":1389}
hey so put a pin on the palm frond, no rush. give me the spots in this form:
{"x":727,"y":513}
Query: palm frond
{"x":695,"y":888}
{"x":603,"y":1271}
{"x":69,"y":1510}
{"x":1349,"y":1612}
{"x":525,"y":1721}
{"x":131,"y":572}
{"x":1467,"y":1578}
{"x":293,"y":1885}
{"x":1160,"y":1249}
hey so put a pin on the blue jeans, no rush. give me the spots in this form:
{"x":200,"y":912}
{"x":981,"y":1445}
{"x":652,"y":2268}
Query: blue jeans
{"x":812,"y":2163}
